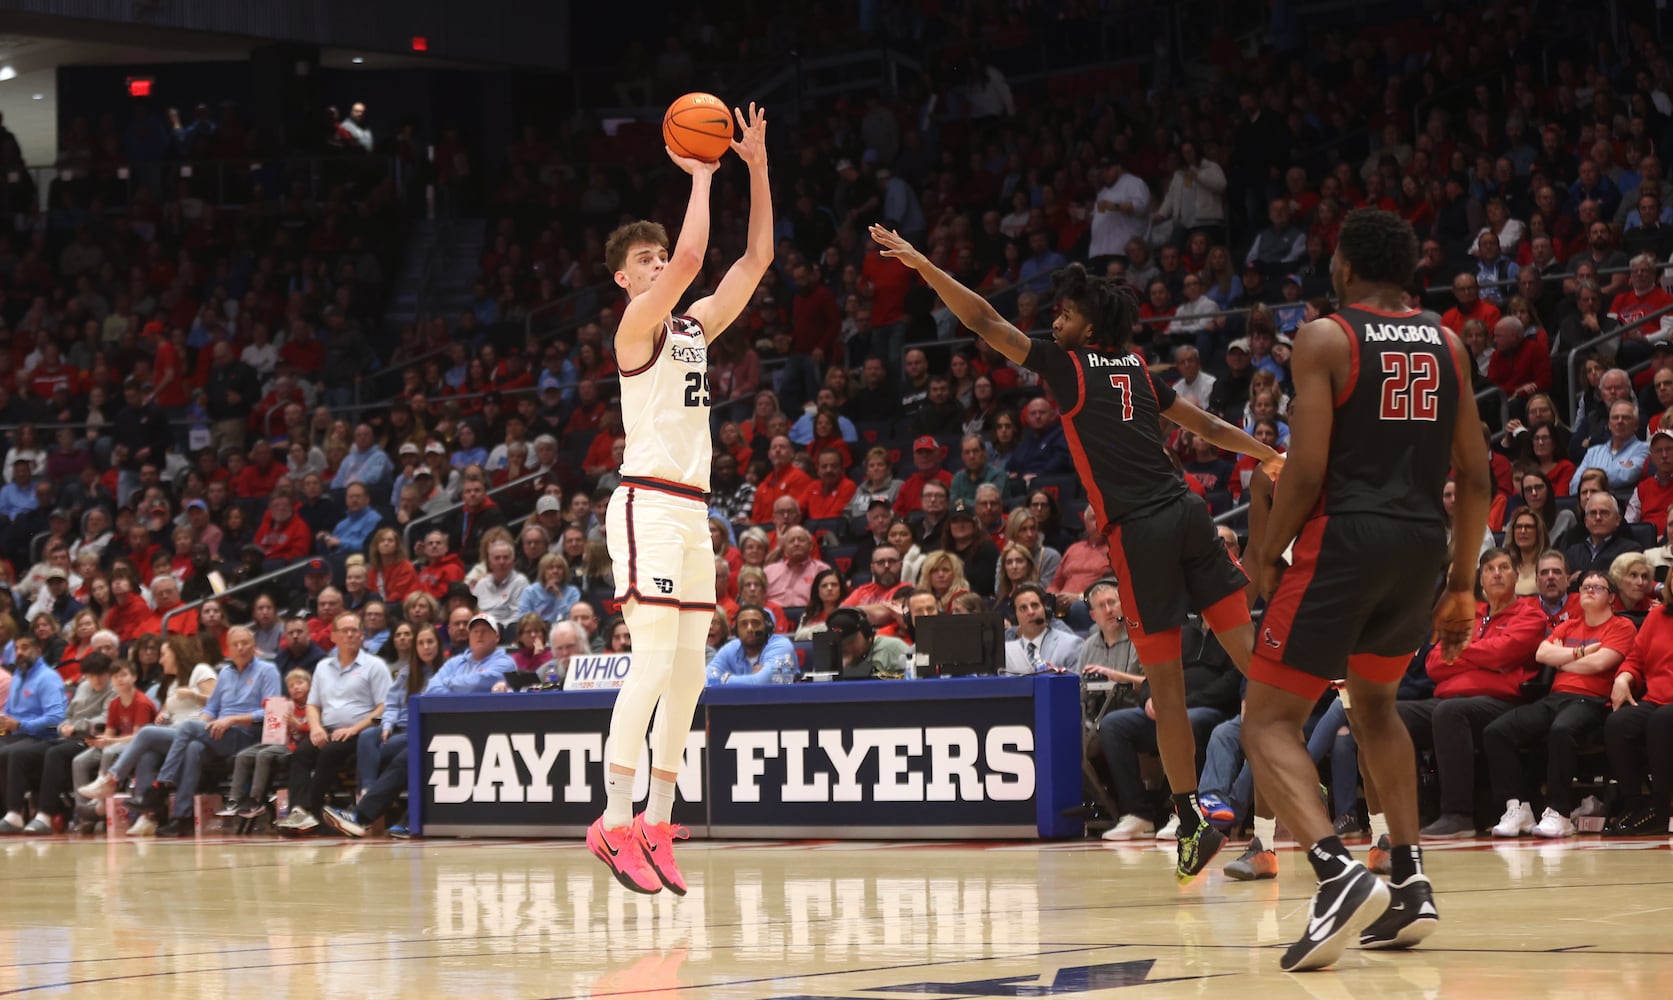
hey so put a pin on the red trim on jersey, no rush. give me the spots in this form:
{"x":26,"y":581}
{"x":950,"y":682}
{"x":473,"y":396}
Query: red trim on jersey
{"x":697,"y":606}
{"x":1380,"y":669}
{"x":1077,"y":452}
{"x":632,"y":550}
{"x":680,"y":490}
{"x":656,"y":352}
{"x":1265,"y":670}
{"x":1447,"y":337}
{"x":1402,"y":314}
{"x":1274,"y":638}
{"x":1149,"y":378}
{"x":1080,"y":384}
{"x":694,"y":321}
{"x":1353,"y":361}
{"x":1229,"y":612}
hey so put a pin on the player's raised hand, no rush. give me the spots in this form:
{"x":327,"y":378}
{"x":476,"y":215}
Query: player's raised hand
{"x":893,"y":245}
{"x":752,"y":148}
{"x":692,"y":166}
{"x":1454,"y":622}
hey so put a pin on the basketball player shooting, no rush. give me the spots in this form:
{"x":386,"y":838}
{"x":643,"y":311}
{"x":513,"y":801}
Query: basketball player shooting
{"x":657,"y":523}
{"x":1163,"y":546}
{"x":1383,"y":408}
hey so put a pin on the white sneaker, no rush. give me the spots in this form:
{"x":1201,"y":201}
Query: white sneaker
{"x":1518,"y":820}
{"x":1553,"y":825}
{"x":1590,"y":806}
{"x":297,"y":819}
{"x":1171,"y":830}
{"x":1130,"y":828}
{"x":102,"y":787}
{"x":145,"y":826}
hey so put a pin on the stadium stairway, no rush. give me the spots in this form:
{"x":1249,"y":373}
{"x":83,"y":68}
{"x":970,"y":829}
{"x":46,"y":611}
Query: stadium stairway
{"x":442,"y":263}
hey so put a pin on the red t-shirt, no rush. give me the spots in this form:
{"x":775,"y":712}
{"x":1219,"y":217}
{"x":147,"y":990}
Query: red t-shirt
{"x":126,"y":720}
{"x":1653,"y":501}
{"x":1454,"y":319}
{"x":1629,"y":306}
{"x":1617,"y":633}
{"x":890,"y":281}
{"x":168,"y":364}
{"x":820,"y":504}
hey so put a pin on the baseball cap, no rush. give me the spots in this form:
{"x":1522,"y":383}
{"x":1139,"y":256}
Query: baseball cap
{"x":482,"y":620}
{"x":423,"y":470}
{"x":1661,"y":434}
{"x":59,"y":512}
{"x":315,"y":566}
{"x":56,"y":573}
{"x":409,"y":449}
{"x":547,"y":504}
{"x":196,"y":505}
{"x":435,"y":448}
{"x":963,"y":508}
{"x":1240,"y":344}
{"x":926,"y":443}
{"x":845,"y":622}
{"x":1662,"y":346}
{"x":1293,"y":278}
{"x":879,"y":502}
{"x":844,"y":164}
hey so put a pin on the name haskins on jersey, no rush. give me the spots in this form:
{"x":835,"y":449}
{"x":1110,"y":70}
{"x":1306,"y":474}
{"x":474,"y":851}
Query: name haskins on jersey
{"x":1104,"y":361}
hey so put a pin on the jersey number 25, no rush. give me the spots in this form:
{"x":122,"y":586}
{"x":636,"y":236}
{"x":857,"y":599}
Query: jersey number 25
{"x":697,"y":388}
{"x":1410,"y":382}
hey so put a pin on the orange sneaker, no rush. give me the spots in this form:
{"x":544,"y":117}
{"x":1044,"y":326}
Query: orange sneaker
{"x":1257,"y":862}
{"x":1381,"y":858}
{"x":657,"y":842}
{"x":619,"y":849}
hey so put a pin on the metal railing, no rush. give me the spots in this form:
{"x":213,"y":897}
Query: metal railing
{"x":406,"y":533}
{"x":282,"y":571}
{"x":1576,"y":356}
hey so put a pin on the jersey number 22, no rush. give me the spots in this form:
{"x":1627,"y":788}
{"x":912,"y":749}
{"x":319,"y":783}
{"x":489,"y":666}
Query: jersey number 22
{"x":1409,"y":385}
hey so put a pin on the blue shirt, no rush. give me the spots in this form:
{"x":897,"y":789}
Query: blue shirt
{"x":395,"y":702}
{"x":369,"y":466}
{"x":538,"y":600}
{"x":346,"y":694}
{"x":1035,"y":273}
{"x":242,"y":692}
{"x":1624,"y":467}
{"x":36,"y":701}
{"x":354,"y":529}
{"x":1044,"y":454}
{"x":16,"y":500}
{"x":469,"y":456}
{"x":733,"y":666}
{"x":801,"y":432}
{"x":464,"y":675}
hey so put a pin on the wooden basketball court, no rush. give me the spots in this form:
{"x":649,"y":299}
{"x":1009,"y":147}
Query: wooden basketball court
{"x":224,"y":917}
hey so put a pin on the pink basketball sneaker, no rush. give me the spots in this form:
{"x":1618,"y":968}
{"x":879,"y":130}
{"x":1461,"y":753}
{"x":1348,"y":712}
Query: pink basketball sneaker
{"x":657,"y":841}
{"x":619,"y":849}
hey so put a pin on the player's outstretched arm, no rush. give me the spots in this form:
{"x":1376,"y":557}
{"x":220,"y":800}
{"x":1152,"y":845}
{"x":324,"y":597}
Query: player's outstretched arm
{"x":716,"y":312}
{"x":1455,"y":614}
{"x":1222,"y":435}
{"x":1320,"y":348}
{"x":975,"y":312}
{"x":645,"y":313}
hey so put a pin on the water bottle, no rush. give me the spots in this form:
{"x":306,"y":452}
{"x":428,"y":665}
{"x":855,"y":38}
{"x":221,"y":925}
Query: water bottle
{"x":908,"y":666}
{"x":784,"y":669}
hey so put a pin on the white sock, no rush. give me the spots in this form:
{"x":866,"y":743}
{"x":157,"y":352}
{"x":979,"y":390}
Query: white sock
{"x":1379,"y":827}
{"x":661,"y":805}
{"x":618,"y":798}
{"x":1266,"y":830}
{"x":15,"y":819}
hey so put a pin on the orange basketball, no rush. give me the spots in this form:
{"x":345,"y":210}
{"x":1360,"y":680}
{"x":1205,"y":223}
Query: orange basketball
{"x":698,"y":126}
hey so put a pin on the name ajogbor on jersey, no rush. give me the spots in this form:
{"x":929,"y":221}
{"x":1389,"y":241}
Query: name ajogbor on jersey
{"x":1402,"y":333}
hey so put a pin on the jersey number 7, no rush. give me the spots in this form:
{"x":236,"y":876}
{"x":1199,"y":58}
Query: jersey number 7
{"x":1124,"y":383}
{"x":1409,"y":386}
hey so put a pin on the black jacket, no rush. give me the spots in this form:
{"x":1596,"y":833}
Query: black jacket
{"x":237,"y":377}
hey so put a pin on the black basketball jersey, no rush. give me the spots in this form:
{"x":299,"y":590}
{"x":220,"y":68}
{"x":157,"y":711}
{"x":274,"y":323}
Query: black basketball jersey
{"x":1391,"y":444}
{"x":1111,"y":409}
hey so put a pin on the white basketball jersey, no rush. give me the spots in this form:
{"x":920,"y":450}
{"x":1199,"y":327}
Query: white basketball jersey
{"x":665,"y":409}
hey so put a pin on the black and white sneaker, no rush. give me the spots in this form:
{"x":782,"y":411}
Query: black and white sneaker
{"x":1342,"y":907}
{"x":1411,"y":916}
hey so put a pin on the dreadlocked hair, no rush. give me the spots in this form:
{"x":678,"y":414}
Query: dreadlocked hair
{"x":1112,"y":307}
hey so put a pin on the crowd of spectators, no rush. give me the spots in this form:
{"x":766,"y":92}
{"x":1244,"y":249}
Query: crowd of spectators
{"x":867,"y":456}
